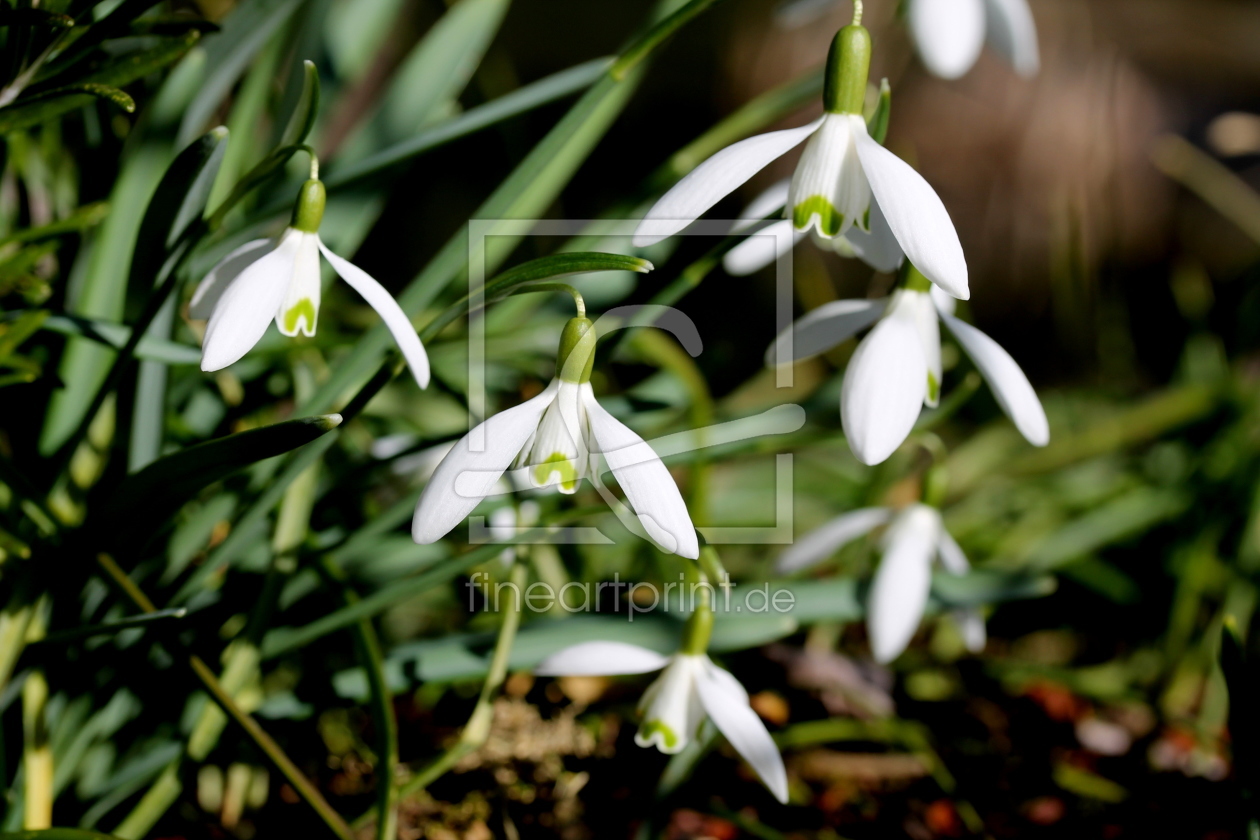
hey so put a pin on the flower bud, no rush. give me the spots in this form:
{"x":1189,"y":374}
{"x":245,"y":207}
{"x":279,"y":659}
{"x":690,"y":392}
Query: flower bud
{"x":576,"y":355}
{"x":308,"y":212}
{"x":848,"y":65}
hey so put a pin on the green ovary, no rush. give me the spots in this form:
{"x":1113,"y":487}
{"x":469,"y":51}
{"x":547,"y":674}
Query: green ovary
{"x":558,"y":463}
{"x":830,"y":220}
{"x":304,"y":308}
{"x":650,"y":727}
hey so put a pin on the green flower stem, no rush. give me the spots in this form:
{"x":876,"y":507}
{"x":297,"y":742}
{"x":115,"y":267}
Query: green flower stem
{"x":477,"y":730}
{"x":579,"y":302}
{"x":223,"y":697}
{"x":37,"y":755}
{"x":384,"y":721}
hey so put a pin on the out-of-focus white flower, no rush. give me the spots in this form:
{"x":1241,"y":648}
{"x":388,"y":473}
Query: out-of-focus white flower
{"x":896,"y":369}
{"x":949,"y":34}
{"x":690,"y":688}
{"x":278,"y":279}
{"x":915,"y":536}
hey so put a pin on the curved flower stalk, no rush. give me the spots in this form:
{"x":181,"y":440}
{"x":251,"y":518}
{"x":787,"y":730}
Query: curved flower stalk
{"x":845,"y":179}
{"x":278,"y":279}
{"x":949,"y":34}
{"x":556,"y":439}
{"x":689,"y":689}
{"x":899,"y":593}
{"x":877,"y":248}
{"x":896,"y":369}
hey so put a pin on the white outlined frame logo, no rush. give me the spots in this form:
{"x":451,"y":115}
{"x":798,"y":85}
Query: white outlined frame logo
{"x":779,"y":420}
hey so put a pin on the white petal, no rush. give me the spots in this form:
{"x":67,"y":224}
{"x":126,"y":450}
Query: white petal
{"x":714,"y":179}
{"x":648,"y":486}
{"x":916,"y":217}
{"x":1010,"y":387}
{"x":879,"y":248}
{"x":829,"y":191}
{"x":921,"y":308}
{"x":248,"y":305}
{"x":772,"y":198}
{"x":760,"y":249}
{"x":899,"y":592}
{"x":945,"y":302}
{"x":820,"y":544}
{"x":391,"y":313}
{"x":465,"y":477}
{"x":216,"y":281}
{"x":823,"y":328}
{"x":948,"y":34}
{"x":883,"y":389}
{"x":971,"y":625}
{"x":671,"y":708}
{"x":601,"y":659}
{"x":557,"y":454}
{"x":1013,"y":33}
{"x":951,"y":554}
{"x":299,"y":311}
{"x":726,"y":703}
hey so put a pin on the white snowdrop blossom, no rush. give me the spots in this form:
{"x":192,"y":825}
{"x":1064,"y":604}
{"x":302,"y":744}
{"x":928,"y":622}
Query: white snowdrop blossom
{"x":896,"y":369}
{"x":689,"y":689}
{"x":278,"y":279}
{"x":845,"y":180}
{"x":899,"y":594}
{"x":949,"y":34}
{"x":878,"y":248}
{"x":555,"y":440}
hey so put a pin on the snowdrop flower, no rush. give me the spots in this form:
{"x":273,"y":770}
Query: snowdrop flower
{"x":949,"y":34}
{"x":878,"y":248}
{"x":556,"y":439}
{"x":689,"y":688}
{"x":897,"y":367}
{"x":278,"y":279}
{"x":845,"y":179}
{"x":899,"y":593}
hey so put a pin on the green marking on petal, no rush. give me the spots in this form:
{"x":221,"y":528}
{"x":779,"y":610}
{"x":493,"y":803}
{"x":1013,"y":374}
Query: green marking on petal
{"x":830,"y":220}
{"x":304,"y":308}
{"x":866,"y":220}
{"x":650,"y":727}
{"x":558,"y":463}
{"x":934,"y":387}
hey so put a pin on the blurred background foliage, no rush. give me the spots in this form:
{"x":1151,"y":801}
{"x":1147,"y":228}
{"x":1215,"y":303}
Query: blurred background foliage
{"x":1109,"y":214}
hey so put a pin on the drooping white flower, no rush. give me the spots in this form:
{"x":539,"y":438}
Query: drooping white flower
{"x":949,"y":34}
{"x":278,"y":279}
{"x":878,"y":248}
{"x":690,"y":688}
{"x":555,"y":440}
{"x":844,"y":180}
{"x":899,"y":594}
{"x":896,"y":369}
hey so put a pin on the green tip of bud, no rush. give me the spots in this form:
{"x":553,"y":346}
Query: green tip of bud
{"x":309,"y":210}
{"x":328,"y":422}
{"x":848,"y":65}
{"x":576,"y":355}
{"x":644,"y":266}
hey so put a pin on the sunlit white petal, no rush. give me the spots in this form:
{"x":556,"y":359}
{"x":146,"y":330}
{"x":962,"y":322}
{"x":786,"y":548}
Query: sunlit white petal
{"x":761,"y":248}
{"x":248,"y":305}
{"x":916,"y":217}
{"x":951,"y":554}
{"x":902,"y":582}
{"x":884,"y":388}
{"x":391,"y":313}
{"x":769,"y":200}
{"x":601,"y":659}
{"x":216,"y":281}
{"x":714,"y":179}
{"x":671,"y":707}
{"x":1010,"y":386}
{"x":726,"y":703}
{"x":945,"y":302}
{"x":920,"y":307}
{"x":299,"y":312}
{"x":948,"y":34}
{"x":823,"y":328}
{"x":648,"y":486}
{"x":557,"y":454}
{"x":829,"y":191}
{"x":1013,"y":32}
{"x":821,"y":543}
{"x":465,"y":477}
{"x":971,"y":625}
